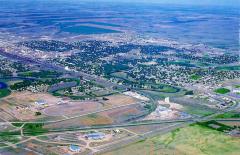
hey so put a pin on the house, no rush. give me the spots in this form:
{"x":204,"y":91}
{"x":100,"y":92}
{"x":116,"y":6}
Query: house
{"x":40,"y":102}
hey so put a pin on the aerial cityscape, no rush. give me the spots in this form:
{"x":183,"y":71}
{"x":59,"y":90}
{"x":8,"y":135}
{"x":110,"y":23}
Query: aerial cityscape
{"x":88,"y":77}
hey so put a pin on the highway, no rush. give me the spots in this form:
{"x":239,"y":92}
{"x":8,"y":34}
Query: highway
{"x":136,"y":124}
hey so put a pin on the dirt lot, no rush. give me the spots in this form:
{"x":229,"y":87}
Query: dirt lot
{"x":106,"y":117}
{"x":94,"y":119}
{"x":171,"y":105}
{"x":146,"y":128}
{"x":21,"y":105}
{"x":26,"y":98}
{"x":72,"y":108}
{"x":118,"y":100}
{"x":123,"y":113}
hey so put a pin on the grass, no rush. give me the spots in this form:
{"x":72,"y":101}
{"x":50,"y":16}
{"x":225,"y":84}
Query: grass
{"x":95,"y":119}
{"x":222,"y":91}
{"x":237,"y":86}
{"x":229,"y":68}
{"x":40,"y":74}
{"x":150,"y":107}
{"x":228,"y":115}
{"x":198,"y":111}
{"x":17,"y":124}
{"x":215,"y":126}
{"x":34,"y":129}
{"x":4,"y":92}
{"x":194,"y":139}
{"x":12,"y":137}
{"x":161,"y":88}
{"x":195,"y":77}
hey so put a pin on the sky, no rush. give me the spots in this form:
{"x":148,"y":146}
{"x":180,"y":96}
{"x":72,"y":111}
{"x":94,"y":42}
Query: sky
{"x":190,"y":2}
{"x":235,"y":3}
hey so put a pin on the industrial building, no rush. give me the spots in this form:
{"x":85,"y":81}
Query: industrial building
{"x":95,"y":136}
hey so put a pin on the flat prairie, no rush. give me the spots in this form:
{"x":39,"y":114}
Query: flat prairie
{"x":189,"y":140}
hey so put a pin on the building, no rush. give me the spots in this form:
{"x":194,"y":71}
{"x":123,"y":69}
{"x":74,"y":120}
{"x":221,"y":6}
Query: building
{"x":40,"y":102}
{"x":95,"y":136}
{"x":116,"y":131}
{"x":74,"y":148}
{"x":236,"y":91}
{"x":167,"y":100}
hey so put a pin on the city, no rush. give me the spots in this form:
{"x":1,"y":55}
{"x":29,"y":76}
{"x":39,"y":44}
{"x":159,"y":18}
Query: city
{"x":93,"y":81}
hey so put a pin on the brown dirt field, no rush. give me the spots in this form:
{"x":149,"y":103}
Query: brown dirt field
{"x":85,"y":120}
{"x":145,"y":128}
{"x":121,"y":112}
{"x":72,"y":108}
{"x":26,"y":98}
{"x":10,"y":112}
{"x":96,"y":120}
{"x":21,"y":104}
{"x":118,"y":100}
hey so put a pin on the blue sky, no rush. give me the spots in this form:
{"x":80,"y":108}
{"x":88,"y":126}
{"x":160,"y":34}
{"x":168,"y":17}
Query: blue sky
{"x":191,"y":2}
{"x":200,"y":2}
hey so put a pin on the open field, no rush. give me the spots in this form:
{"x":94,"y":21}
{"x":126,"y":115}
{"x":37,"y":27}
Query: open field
{"x":200,"y":111}
{"x":229,"y":115}
{"x":124,"y":113}
{"x":89,"y":120}
{"x":25,"y":98}
{"x":4,"y":92}
{"x":229,"y":123}
{"x":95,"y":119}
{"x":105,"y":117}
{"x":22,"y":106}
{"x":118,"y":100}
{"x":222,"y":91}
{"x":50,"y":148}
{"x":193,"y":106}
{"x":72,"y":108}
{"x":189,"y":140}
{"x":147,"y":128}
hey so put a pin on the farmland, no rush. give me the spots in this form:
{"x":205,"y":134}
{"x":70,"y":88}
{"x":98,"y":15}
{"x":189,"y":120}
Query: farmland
{"x":193,"y":139}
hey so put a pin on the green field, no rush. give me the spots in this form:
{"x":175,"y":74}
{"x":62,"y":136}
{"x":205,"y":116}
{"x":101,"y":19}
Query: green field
{"x":40,"y":74}
{"x":229,"y":115}
{"x":161,"y":88}
{"x":200,"y":111}
{"x":12,"y":137}
{"x":4,"y":92}
{"x":195,"y":77}
{"x":17,"y":124}
{"x":34,"y":129}
{"x":215,"y":126}
{"x":222,"y":91}
{"x":231,"y":68}
{"x":191,"y":140}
